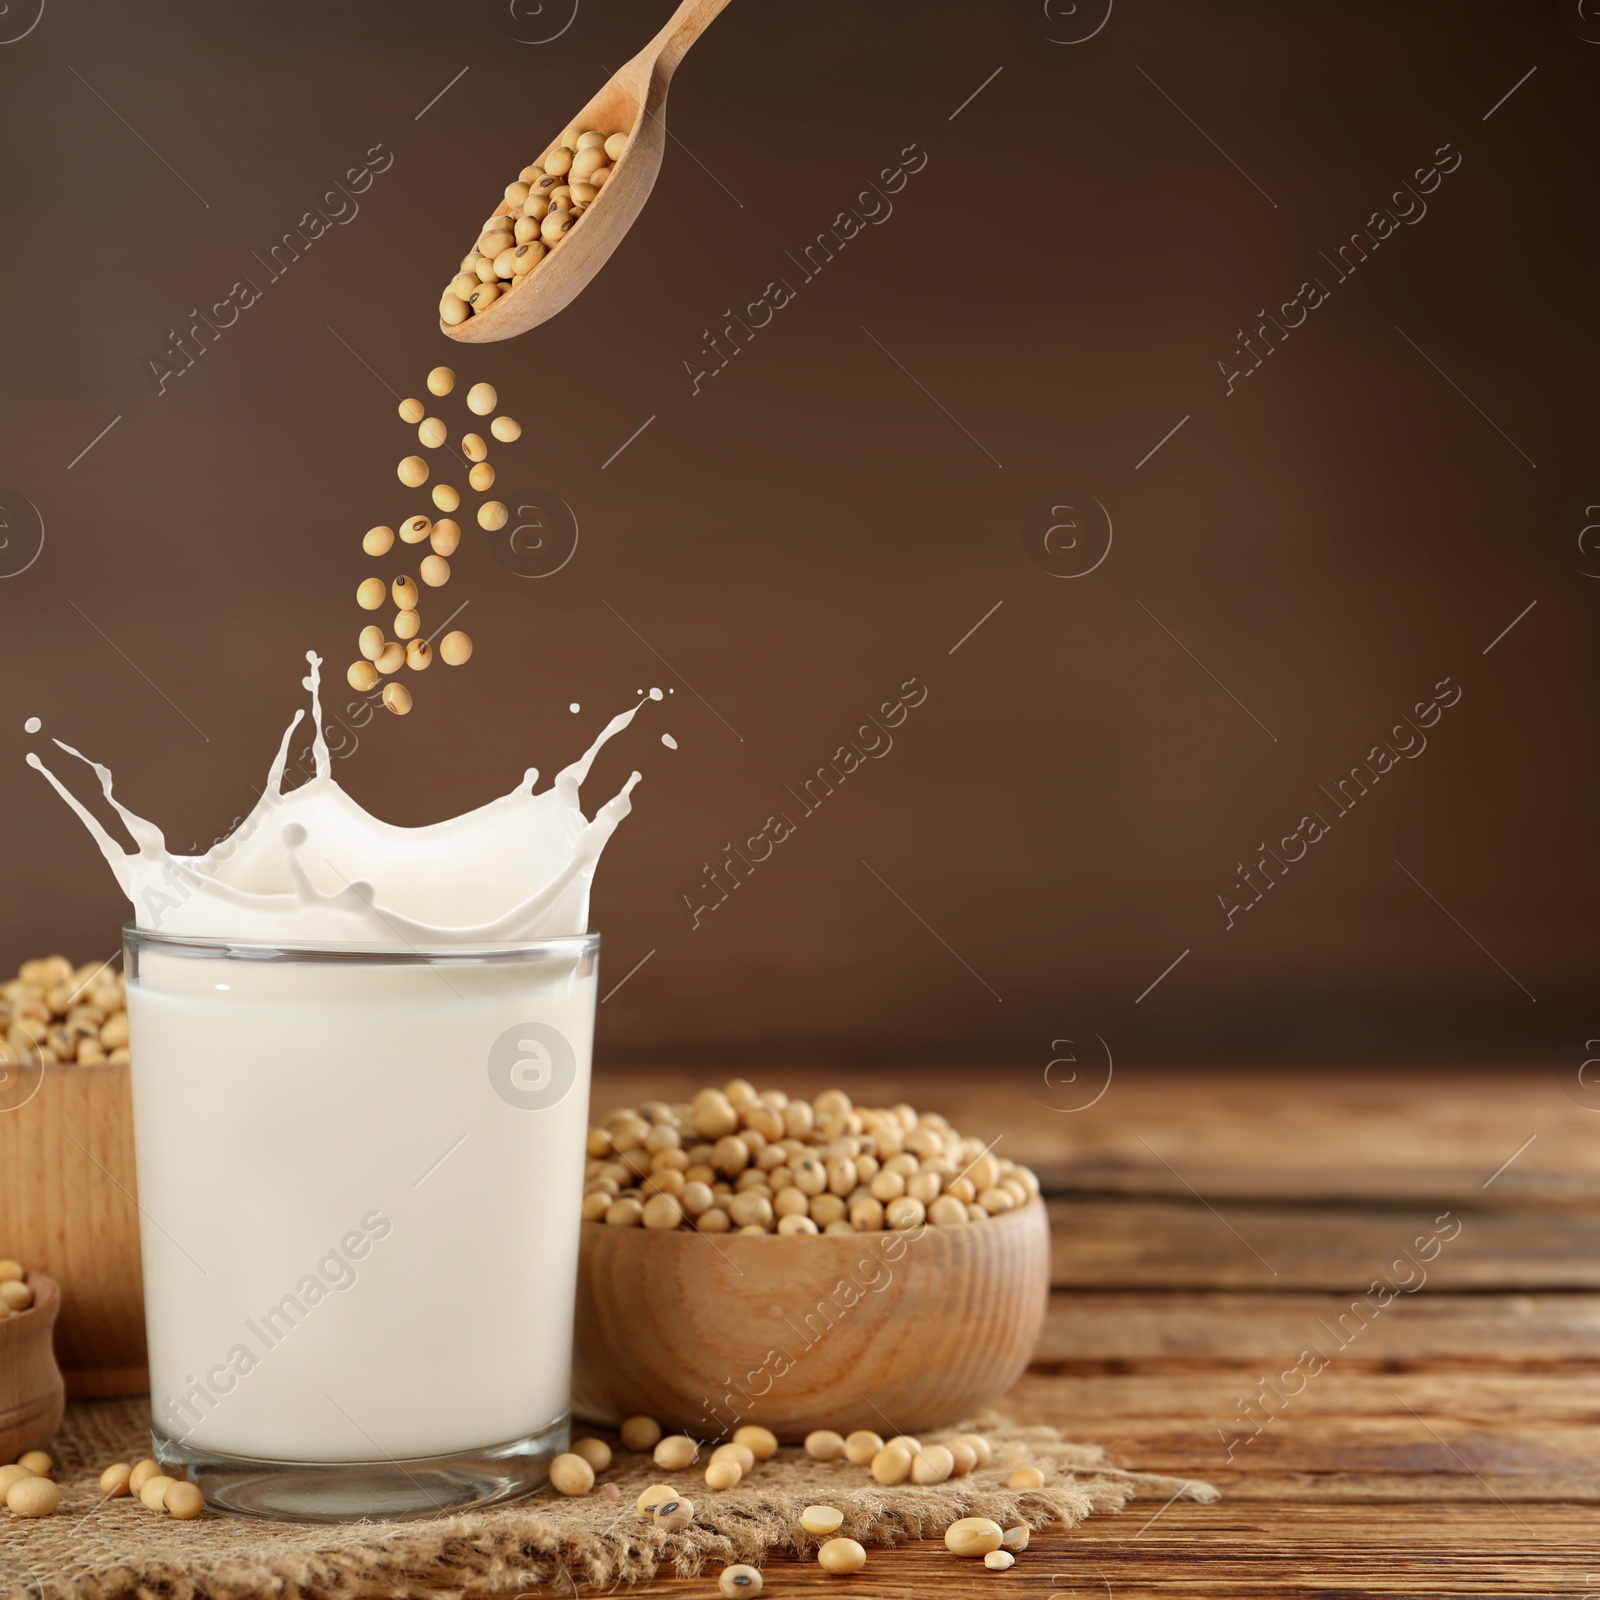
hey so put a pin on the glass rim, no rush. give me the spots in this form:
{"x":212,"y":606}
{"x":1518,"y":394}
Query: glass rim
{"x":567,"y":946}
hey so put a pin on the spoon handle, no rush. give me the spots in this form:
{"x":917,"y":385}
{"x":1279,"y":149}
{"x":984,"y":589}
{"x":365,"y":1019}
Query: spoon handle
{"x":684,"y":26}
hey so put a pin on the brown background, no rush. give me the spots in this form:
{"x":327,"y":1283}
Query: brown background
{"x":812,"y":529}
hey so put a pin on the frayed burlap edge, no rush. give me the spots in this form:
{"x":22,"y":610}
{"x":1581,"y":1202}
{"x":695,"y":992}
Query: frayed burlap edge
{"x":95,"y":1550}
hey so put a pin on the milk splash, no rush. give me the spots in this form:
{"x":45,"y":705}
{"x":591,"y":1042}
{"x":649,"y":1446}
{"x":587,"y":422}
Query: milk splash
{"x":314,"y":867}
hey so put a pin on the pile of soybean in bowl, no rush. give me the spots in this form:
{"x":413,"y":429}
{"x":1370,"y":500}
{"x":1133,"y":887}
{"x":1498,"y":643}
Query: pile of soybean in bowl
{"x":16,"y":1294}
{"x":540,"y":210}
{"x":733,"y":1160}
{"x":52,"y":1012}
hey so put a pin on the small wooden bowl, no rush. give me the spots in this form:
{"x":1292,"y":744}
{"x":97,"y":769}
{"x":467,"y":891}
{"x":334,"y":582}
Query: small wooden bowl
{"x":889,"y":1331}
{"x":32,"y":1395}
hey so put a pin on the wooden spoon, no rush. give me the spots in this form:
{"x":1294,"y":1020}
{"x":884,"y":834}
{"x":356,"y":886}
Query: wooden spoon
{"x":632,"y":102}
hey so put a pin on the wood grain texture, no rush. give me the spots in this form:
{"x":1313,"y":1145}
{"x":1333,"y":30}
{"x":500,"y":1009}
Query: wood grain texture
{"x":1345,"y":1436}
{"x":1181,"y":1245}
{"x":32,"y":1395}
{"x":67,"y":1197}
{"x":632,"y":101}
{"x":891,"y":1332}
{"x":1147,"y":1331}
{"x":1234,"y":1552}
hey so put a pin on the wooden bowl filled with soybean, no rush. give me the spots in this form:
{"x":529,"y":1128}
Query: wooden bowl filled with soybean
{"x":67,"y":1183}
{"x":32,"y":1395}
{"x":802,"y":1285}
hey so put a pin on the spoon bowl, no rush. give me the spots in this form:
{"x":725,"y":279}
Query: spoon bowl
{"x":632,"y":101}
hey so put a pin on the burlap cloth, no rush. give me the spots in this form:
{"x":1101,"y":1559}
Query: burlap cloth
{"x":96,"y":1549}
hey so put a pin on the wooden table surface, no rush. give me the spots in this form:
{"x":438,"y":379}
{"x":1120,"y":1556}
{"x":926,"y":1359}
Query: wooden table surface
{"x":1211,"y":1227}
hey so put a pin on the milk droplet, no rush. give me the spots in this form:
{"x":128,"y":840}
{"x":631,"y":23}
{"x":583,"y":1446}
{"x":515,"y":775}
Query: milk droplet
{"x":669,"y":741}
{"x":573,"y":708}
{"x":32,"y":725}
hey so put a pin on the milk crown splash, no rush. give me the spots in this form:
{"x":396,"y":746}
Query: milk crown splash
{"x":314,"y":867}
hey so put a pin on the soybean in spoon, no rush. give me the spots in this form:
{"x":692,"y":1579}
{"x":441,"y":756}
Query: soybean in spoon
{"x":632,"y":105}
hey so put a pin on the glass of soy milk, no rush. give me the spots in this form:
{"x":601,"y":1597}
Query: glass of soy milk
{"x":360,"y":1067}
{"x":360,"y":1173}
